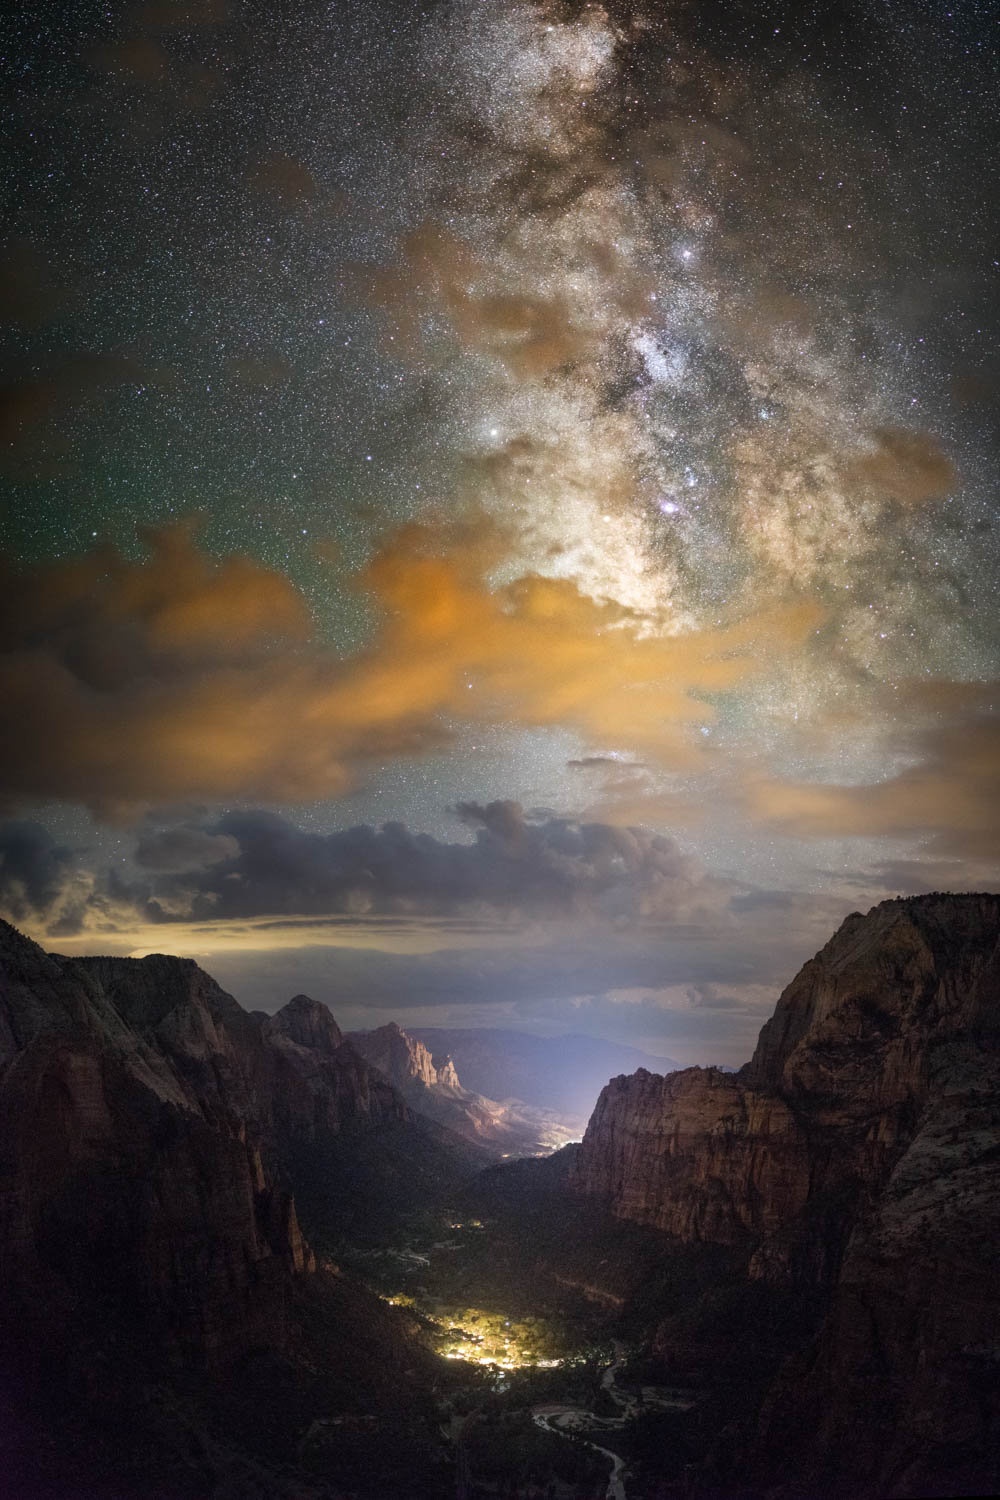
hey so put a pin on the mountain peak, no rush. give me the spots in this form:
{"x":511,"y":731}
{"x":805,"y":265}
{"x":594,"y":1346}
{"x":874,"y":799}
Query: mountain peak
{"x":918,"y":965}
{"x":308,"y":1022}
{"x":399,"y":1056}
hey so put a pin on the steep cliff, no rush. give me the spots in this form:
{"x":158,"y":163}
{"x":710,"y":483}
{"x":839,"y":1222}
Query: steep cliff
{"x":696,"y":1154}
{"x":856,"y":1158}
{"x":150,"y":1243}
{"x":861,"y":1042}
{"x":430,"y":1084}
{"x":396,"y":1055}
{"x":562,"y":1073}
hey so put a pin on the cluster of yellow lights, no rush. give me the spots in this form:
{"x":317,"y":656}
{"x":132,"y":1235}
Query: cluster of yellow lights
{"x":469,"y":1347}
{"x":506,"y":1363}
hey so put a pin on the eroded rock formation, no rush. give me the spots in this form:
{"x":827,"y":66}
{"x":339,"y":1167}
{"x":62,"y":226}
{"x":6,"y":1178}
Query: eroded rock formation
{"x":857,"y":1154}
{"x":430,"y":1084}
{"x":152,"y":1132}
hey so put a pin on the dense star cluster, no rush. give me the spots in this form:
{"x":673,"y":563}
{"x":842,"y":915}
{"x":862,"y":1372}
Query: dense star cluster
{"x":584,"y":408}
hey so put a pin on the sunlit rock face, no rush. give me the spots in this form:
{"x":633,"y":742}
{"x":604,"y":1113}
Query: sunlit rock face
{"x":398,"y":1056}
{"x":430,"y":1084}
{"x":447,"y":1077}
{"x":858,"y":1154}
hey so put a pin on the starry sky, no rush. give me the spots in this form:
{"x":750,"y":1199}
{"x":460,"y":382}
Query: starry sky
{"x":499,"y":498}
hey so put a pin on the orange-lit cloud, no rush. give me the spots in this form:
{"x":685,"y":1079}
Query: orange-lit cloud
{"x":949,"y":795}
{"x":126,"y":684}
{"x":904,"y":465}
{"x":529,"y":331}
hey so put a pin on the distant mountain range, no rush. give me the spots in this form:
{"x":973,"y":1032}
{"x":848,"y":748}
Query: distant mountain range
{"x":563,"y":1073}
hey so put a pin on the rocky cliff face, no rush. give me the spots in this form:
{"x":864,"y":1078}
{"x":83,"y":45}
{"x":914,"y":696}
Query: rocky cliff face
{"x":398,"y":1057}
{"x":447,"y":1077}
{"x":835,"y":1090}
{"x":857,"y":1155}
{"x":309,"y":1024}
{"x":565,"y":1074}
{"x":430,"y":1084}
{"x":696,"y":1154}
{"x":132,"y":1158}
{"x":151,"y":1135}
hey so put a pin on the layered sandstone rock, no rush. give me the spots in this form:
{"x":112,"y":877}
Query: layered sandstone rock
{"x":150,"y":1246}
{"x":430,"y":1084}
{"x":398,"y":1057}
{"x":695,"y":1154}
{"x":447,"y":1077}
{"x":856,"y":1155}
{"x":858,"y":1045}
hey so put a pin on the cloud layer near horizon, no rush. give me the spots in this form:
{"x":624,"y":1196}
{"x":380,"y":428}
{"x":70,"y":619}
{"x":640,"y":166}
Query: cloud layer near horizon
{"x":255,"y":864}
{"x":539,"y":922}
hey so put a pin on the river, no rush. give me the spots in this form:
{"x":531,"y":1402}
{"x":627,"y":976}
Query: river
{"x":564,"y":1418}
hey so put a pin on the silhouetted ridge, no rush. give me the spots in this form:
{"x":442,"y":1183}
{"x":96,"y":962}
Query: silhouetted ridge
{"x":150,"y":1243}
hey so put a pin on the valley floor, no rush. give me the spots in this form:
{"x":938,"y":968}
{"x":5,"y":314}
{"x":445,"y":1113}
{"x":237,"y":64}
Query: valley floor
{"x":541,"y":1401}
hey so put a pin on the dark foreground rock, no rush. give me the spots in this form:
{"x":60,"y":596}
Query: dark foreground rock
{"x":854,"y":1168}
{"x":165,"y":1326}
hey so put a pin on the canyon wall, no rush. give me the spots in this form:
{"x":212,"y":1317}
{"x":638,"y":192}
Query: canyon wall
{"x":856,"y":1156}
{"x":151,"y":1257}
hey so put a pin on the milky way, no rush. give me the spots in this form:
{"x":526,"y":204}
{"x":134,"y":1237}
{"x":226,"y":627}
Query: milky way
{"x":681,"y":370}
{"x":592,"y":407}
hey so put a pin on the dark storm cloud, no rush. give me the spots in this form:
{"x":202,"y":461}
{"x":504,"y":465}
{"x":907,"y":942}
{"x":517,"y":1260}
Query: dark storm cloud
{"x":170,"y":850}
{"x":515,"y":868}
{"x":255,"y":866}
{"x":34,"y":870}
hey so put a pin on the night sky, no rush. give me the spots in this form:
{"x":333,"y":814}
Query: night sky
{"x":500,"y":503}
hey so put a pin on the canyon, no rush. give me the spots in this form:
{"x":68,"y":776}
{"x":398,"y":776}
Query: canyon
{"x":190,"y":1194}
{"x":152,"y":1263}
